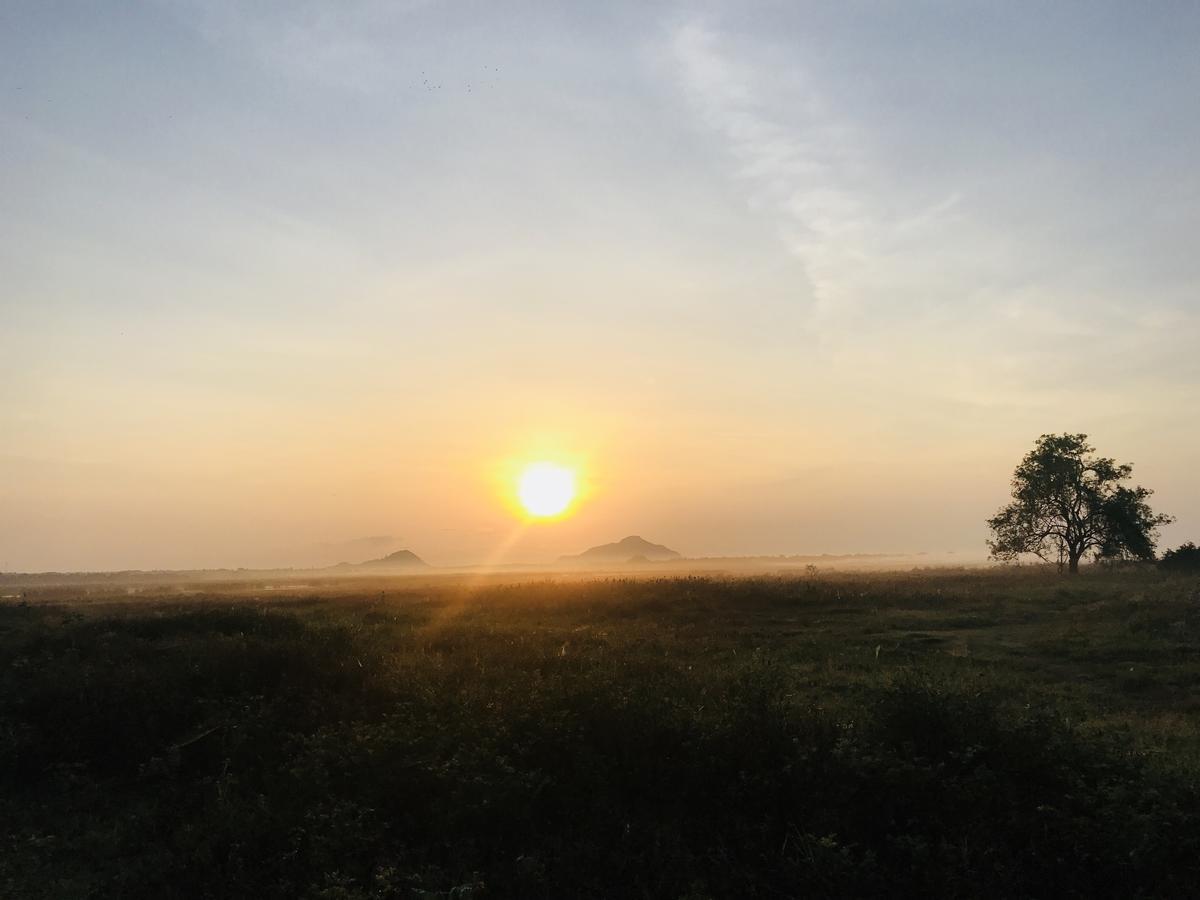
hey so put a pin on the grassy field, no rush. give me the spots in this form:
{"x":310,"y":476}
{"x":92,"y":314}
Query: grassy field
{"x":949,"y":733}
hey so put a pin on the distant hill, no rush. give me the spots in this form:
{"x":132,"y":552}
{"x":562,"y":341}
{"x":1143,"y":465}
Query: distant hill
{"x":631,"y":549}
{"x":400,"y":559}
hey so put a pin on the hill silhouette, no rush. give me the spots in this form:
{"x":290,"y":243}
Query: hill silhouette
{"x":400,"y":559}
{"x":631,"y":549}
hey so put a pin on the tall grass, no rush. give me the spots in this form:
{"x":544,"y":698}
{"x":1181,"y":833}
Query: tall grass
{"x":934,"y":734}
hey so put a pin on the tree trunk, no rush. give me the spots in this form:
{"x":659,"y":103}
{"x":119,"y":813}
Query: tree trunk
{"x":1073,"y":563}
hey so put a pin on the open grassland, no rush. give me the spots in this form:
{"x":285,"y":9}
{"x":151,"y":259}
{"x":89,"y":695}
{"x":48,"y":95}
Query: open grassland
{"x":950,"y":733}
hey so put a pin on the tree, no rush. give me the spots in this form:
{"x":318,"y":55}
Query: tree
{"x":1068,"y":502}
{"x":1185,"y":558}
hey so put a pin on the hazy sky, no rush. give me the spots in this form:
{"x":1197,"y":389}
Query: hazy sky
{"x":276,"y":278}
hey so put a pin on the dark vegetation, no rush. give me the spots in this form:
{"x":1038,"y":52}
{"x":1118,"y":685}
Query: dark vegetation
{"x":1184,"y":558}
{"x":971,"y":734}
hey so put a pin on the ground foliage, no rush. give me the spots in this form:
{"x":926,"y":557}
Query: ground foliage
{"x":973,"y":734}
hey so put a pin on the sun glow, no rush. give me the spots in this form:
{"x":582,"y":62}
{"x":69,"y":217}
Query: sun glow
{"x":546,"y":489}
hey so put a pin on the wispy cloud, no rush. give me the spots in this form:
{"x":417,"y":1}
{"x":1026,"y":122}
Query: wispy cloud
{"x":908,"y":279}
{"x":812,"y":168}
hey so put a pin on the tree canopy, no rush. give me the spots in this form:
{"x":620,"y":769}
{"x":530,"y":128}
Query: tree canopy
{"x":1068,"y":502}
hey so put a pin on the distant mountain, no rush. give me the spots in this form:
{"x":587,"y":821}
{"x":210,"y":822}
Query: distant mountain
{"x":630,"y":549}
{"x":400,"y":559}
{"x":328,"y":553}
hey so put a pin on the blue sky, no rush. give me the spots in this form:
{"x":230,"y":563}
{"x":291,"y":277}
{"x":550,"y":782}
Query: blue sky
{"x":786,"y":277}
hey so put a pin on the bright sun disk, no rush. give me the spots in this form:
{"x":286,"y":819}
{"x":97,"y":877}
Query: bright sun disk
{"x":546,"y":489}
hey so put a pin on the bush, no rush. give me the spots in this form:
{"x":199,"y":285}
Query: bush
{"x":1185,"y":558}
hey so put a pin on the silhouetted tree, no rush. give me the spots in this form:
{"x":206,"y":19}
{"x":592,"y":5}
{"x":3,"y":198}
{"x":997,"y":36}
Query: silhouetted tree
{"x":1068,"y":502}
{"x":1184,"y":558}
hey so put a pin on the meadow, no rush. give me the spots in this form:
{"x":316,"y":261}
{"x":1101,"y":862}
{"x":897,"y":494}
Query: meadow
{"x":951,"y":733}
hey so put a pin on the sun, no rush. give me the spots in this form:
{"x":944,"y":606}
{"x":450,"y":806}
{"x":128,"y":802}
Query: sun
{"x":546,"y":489}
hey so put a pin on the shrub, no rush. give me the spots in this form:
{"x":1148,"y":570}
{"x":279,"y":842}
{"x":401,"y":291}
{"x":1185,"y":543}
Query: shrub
{"x":1185,"y":558}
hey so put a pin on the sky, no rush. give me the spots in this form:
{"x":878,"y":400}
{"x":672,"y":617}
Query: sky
{"x":288,"y":283}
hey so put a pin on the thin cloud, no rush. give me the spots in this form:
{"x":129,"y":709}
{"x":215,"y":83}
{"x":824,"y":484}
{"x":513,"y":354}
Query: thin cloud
{"x":810,"y":167}
{"x":909,"y":286}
